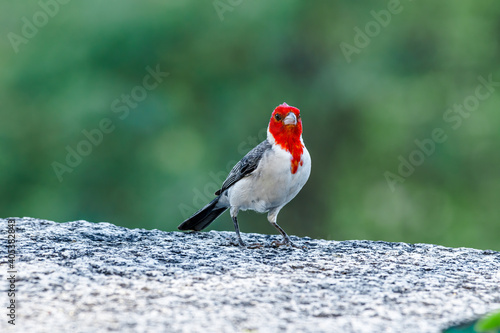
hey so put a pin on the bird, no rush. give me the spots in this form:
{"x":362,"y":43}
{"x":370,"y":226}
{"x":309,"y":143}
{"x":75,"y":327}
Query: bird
{"x":267,"y":178}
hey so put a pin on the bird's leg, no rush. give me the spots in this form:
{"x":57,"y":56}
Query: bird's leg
{"x":286,"y":239}
{"x":234,"y":213}
{"x":237,"y":229}
{"x":272,"y":216}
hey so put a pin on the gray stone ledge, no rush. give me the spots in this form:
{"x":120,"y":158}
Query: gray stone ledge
{"x":90,"y":277}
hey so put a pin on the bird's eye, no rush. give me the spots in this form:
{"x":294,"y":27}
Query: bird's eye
{"x":277,"y":117}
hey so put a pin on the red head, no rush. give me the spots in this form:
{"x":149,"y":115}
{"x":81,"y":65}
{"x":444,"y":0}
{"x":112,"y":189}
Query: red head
{"x":286,"y":130}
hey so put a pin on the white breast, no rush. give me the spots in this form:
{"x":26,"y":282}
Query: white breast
{"x":272,"y":184}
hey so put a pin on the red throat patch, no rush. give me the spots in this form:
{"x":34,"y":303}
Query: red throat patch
{"x":288,"y":136}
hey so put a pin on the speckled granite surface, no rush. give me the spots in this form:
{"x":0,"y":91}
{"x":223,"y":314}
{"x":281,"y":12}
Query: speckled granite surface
{"x":92,"y":277}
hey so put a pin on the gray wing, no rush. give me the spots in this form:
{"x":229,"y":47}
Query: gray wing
{"x":246,"y":166}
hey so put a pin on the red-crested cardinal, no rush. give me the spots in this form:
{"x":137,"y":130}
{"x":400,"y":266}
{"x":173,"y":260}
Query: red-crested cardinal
{"x":265,"y":179}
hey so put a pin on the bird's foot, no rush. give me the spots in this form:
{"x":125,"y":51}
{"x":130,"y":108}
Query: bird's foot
{"x":238,"y":243}
{"x":286,"y":242}
{"x":241,"y":243}
{"x":255,"y":246}
{"x":278,"y":243}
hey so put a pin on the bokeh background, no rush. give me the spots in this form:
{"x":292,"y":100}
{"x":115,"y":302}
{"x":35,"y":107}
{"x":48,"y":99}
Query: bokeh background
{"x":229,"y":64}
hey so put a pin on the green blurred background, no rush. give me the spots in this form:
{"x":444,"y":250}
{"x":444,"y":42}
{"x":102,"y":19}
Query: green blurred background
{"x":230,"y":63}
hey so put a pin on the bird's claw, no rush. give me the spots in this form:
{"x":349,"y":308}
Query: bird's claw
{"x":255,"y":246}
{"x":278,"y":243}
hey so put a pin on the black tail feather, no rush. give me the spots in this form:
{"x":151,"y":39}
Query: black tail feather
{"x":202,"y":218}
